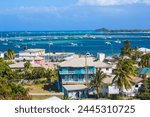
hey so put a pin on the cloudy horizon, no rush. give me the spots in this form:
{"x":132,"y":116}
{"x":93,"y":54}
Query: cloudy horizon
{"x":74,"y":14}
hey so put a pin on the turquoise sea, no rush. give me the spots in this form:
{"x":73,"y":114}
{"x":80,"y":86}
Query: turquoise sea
{"x":72,"y":41}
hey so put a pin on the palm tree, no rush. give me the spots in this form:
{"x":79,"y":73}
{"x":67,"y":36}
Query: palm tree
{"x":10,"y":54}
{"x":145,"y":60}
{"x":126,"y":49}
{"x":97,"y":81}
{"x":27,"y":66}
{"x":125,"y":69}
{"x":28,"y":70}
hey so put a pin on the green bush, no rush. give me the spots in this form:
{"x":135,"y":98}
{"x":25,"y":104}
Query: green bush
{"x":145,"y":96}
{"x":41,"y":81}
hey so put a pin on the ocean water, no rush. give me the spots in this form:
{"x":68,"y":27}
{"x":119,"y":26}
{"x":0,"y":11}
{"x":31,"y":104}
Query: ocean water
{"x":79,"y":42}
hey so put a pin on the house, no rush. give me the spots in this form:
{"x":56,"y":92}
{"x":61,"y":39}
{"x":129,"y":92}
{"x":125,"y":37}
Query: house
{"x":106,"y":68}
{"x":31,"y":55}
{"x":75,"y":91}
{"x":57,"y":56}
{"x":76,"y":71}
{"x":143,"y":72}
{"x":53,"y":98}
{"x":111,"y":88}
{"x":20,"y":66}
{"x":1,"y":55}
{"x":144,"y":50}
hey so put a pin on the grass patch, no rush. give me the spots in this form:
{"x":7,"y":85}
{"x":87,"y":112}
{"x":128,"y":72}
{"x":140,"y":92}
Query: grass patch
{"x":44,"y":97}
{"x":36,"y":88}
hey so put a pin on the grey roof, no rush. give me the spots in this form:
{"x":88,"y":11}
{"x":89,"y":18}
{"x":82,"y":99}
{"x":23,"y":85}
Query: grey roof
{"x":53,"y":98}
{"x":82,"y":61}
{"x":34,"y":50}
{"x":99,"y":64}
{"x":75,"y":87}
{"x":21,"y":65}
{"x":78,"y":61}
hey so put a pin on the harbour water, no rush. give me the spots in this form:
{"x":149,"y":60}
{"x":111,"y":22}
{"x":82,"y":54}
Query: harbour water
{"x":79,"y":42}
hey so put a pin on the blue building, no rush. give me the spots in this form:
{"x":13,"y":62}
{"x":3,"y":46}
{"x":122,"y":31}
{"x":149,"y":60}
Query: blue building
{"x":75,"y":73}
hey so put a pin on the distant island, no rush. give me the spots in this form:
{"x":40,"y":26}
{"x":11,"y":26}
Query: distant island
{"x":121,"y":30}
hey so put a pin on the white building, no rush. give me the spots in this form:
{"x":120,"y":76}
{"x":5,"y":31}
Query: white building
{"x":106,"y":68}
{"x":144,"y":50}
{"x":112,"y":88}
{"x":1,"y":55}
{"x":101,"y":56}
{"x":58,"y":56}
{"x":32,"y":55}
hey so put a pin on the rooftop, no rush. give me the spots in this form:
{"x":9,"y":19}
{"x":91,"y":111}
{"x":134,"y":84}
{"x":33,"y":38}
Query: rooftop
{"x":21,"y":65}
{"x":58,"y":53}
{"x":78,"y":61}
{"x":34,"y":50}
{"x":144,"y":70}
{"x":53,"y":98}
{"x":144,"y":50}
{"x":99,"y":64}
{"x":75,"y":87}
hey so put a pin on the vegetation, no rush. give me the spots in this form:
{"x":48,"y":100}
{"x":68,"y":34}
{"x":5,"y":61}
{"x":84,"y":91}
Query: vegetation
{"x":126,"y":50}
{"x":145,"y":60}
{"x":10,"y":54}
{"x":125,"y":69}
{"x":97,"y":81}
{"x":41,"y":74}
{"x":145,"y":90}
{"x":123,"y":30}
{"x":8,"y":88}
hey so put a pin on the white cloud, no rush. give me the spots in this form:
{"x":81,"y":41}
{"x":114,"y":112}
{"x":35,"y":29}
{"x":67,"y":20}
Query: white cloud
{"x":111,"y":2}
{"x":32,"y":10}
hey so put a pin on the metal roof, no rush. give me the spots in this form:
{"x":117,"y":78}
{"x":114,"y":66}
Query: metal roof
{"x":144,"y":70}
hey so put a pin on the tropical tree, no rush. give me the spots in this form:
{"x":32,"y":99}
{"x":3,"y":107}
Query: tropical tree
{"x":145,"y":90}
{"x":11,"y":91}
{"x":125,"y":69}
{"x":97,"y":81}
{"x":126,"y":49}
{"x":136,"y":53}
{"x":28,"y":70}
{"x":10,"y":54}
{"x":145,"y":60}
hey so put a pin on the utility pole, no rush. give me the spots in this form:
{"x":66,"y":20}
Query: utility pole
{"x":49,"y":52}
{"x":86,"y":70}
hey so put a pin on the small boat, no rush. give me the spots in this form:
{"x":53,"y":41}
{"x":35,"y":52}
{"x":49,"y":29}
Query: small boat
{"x":118,"y":41}
{"x":108,"y":43}
{"x":29,"y":39}
{"x":109,"y":37}
{"x":74,"y":44}
{"x":50,"y":43}
{"x":65,"y":37}
{"x":20,"y":39}
{"x":17,"y":46}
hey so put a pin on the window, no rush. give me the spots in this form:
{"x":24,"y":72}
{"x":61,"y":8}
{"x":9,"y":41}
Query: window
{"x":136,"y":86}
{"x":107,"y":69}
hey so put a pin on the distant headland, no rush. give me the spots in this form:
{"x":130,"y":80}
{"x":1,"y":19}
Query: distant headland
{"x":122,"y":30}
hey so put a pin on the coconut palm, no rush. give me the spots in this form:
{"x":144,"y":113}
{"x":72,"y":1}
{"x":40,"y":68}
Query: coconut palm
{"x":97,"y":81}
{"x":145,"y":61}
{"x":10,"y":54}
{"x":27,"y":66}
{"x":126,"y":49}
{"x":28,"y":70}
{"x":125,"y":69}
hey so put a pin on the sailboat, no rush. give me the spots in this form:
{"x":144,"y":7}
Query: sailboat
{"x":108,"y":43}
{"x":118,"y":41}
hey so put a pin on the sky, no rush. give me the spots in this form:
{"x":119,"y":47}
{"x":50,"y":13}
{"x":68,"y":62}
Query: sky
{"x":38,"y":15}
